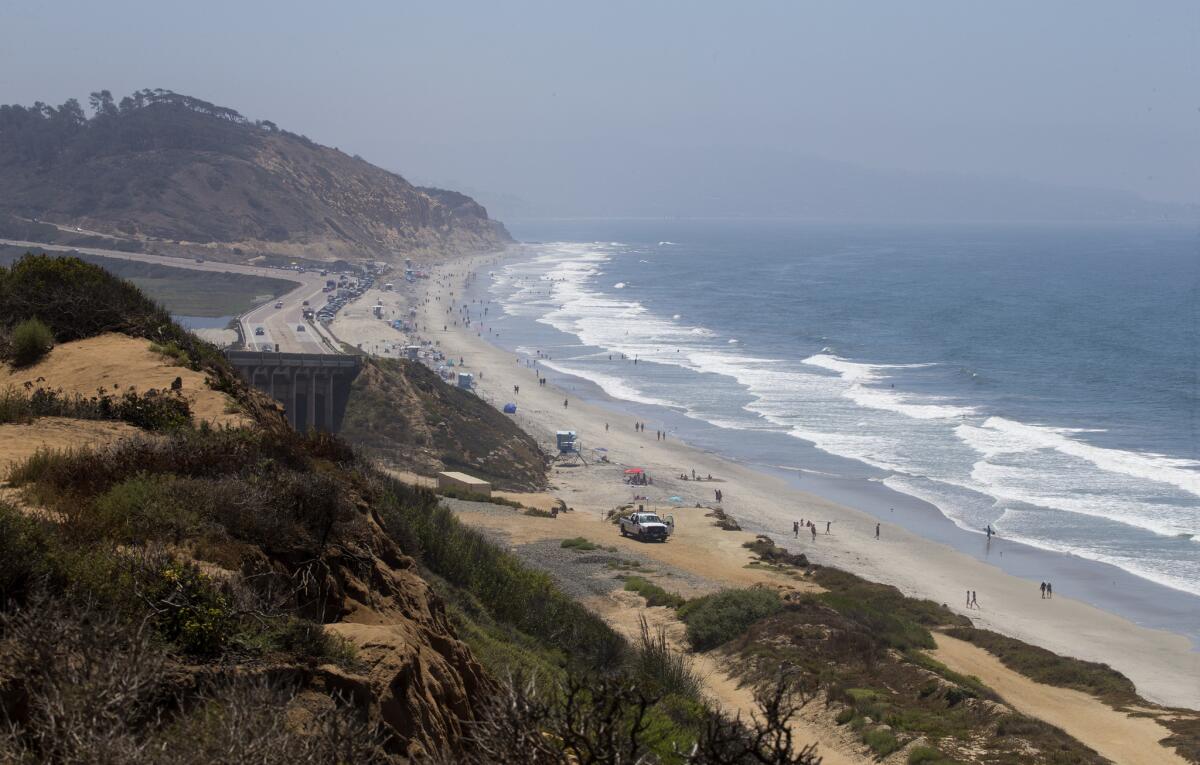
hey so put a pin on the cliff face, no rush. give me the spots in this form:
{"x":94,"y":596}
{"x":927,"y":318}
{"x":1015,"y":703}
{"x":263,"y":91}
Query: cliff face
{"x":402,"y":413}
{"x":174,"y":171}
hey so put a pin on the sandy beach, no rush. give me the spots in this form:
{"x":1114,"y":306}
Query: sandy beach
{"x":1162,"y":664}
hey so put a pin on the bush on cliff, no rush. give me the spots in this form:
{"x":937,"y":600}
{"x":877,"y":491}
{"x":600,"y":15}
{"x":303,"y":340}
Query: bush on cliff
{"x":716,"y":619}
{"x":76,"y":300}
{"x":29,"y":342}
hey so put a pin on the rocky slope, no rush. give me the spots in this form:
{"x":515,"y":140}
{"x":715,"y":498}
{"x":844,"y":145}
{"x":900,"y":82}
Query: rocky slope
{"x":400,"y":412}
{"x":240,"y":570}
{"x":172,"y":173}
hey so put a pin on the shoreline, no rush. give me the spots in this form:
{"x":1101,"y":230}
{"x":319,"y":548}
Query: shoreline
{"x":1161,"y":663}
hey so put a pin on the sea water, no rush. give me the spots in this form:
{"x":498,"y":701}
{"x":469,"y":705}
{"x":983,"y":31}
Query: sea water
{"x":1040,"y":379}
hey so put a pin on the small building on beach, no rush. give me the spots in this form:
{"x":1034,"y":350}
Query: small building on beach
{"x":463,"y":482}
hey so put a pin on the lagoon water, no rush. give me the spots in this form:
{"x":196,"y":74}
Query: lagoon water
{"x":1041,"y":379}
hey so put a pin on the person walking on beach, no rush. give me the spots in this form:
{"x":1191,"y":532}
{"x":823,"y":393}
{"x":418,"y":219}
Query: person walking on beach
{"x":796,"y":529}
{"x":1049,"y":591}
{"x":606,"y":427}
{"x":968,"y":598}
{"x":974,"y":600}
{"x":1043,"y":590}
{"x":827,"y":523}
{"x":564,"y":403}
{"x":813,"y":528}
{"x":877,"y":531}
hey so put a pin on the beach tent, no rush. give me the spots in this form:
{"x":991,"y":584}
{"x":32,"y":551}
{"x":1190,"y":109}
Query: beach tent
{"x":634,"y":471}
{"x":510,"y":408}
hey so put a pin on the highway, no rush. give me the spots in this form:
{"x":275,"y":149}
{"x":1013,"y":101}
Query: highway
{"x":283,"y":328}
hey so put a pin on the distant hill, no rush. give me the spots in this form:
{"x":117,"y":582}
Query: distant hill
{"x":169,"y":171}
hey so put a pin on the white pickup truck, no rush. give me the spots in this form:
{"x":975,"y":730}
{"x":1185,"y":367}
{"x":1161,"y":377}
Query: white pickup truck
{"x":644,"y":526}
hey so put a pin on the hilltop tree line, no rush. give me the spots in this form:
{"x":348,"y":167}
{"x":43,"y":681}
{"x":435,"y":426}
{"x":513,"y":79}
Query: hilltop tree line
{"x":145,"y":120}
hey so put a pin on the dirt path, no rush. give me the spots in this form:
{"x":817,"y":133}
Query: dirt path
{"x":1119,"y":737}
{"x":621,"y":610}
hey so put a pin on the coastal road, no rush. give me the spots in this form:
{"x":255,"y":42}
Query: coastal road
{"x":280,"y":325}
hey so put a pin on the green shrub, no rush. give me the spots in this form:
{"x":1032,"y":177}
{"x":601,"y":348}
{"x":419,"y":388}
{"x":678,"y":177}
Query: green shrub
{"x":661,"y":670}
{"x":23,"y":547}
{"x":171,"y":350}
{"x":845,"y":716}
{"x":189,"y":610}
{"x":512,"y":592}
{"x":716,"y":619}
{"x":886,"y":624}
{"x":30,"y":341}
{"x":580,"y":544}
{"x":654,"y":595}
{"x":881,"y":741}
{"x":143,"y":508}
{"x":153,"y":410}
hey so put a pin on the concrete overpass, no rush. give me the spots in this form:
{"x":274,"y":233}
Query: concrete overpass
{"x":313,"y":387}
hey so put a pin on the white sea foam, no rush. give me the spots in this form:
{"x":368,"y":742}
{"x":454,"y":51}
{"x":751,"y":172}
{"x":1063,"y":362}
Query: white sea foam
{"x":611,"y":385}
{"x":860,"y":377}
{"x":999,"y":435}
{"x":979,"y":470}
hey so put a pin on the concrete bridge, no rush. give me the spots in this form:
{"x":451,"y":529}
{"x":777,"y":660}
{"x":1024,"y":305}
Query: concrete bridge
{"x":313,"y":387}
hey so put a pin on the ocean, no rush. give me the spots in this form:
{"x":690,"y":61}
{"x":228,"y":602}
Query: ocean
{"x":1043,"y":379}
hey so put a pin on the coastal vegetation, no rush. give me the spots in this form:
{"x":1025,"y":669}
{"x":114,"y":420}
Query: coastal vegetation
{"x":192,"y":590}
{"x":653,"y":594}
{"x":161,"y":593}
{"x":402,"y":414}
{"x":152,"y":410}
{"x":716,"y":619}
{"x":182,"y":291}
{"x":30,"y":340}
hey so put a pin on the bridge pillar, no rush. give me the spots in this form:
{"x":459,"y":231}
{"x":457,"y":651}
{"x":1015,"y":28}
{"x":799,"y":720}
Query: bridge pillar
{"x":329,"y":404}
{"x":311,"y":402}
{"x":294,"y":409}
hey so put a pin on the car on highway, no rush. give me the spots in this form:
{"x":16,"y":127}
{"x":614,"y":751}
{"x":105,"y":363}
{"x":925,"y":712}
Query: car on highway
{"x":259,"y":331}
{"x":305,"y":303}
{"x":279,"y":304}
{"x":299,"y":327}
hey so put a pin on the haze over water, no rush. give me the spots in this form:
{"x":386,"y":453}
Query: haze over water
{"x":1041,"y":379}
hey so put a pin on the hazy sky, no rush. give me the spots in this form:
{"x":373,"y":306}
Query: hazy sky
{"x":531,"y":98}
